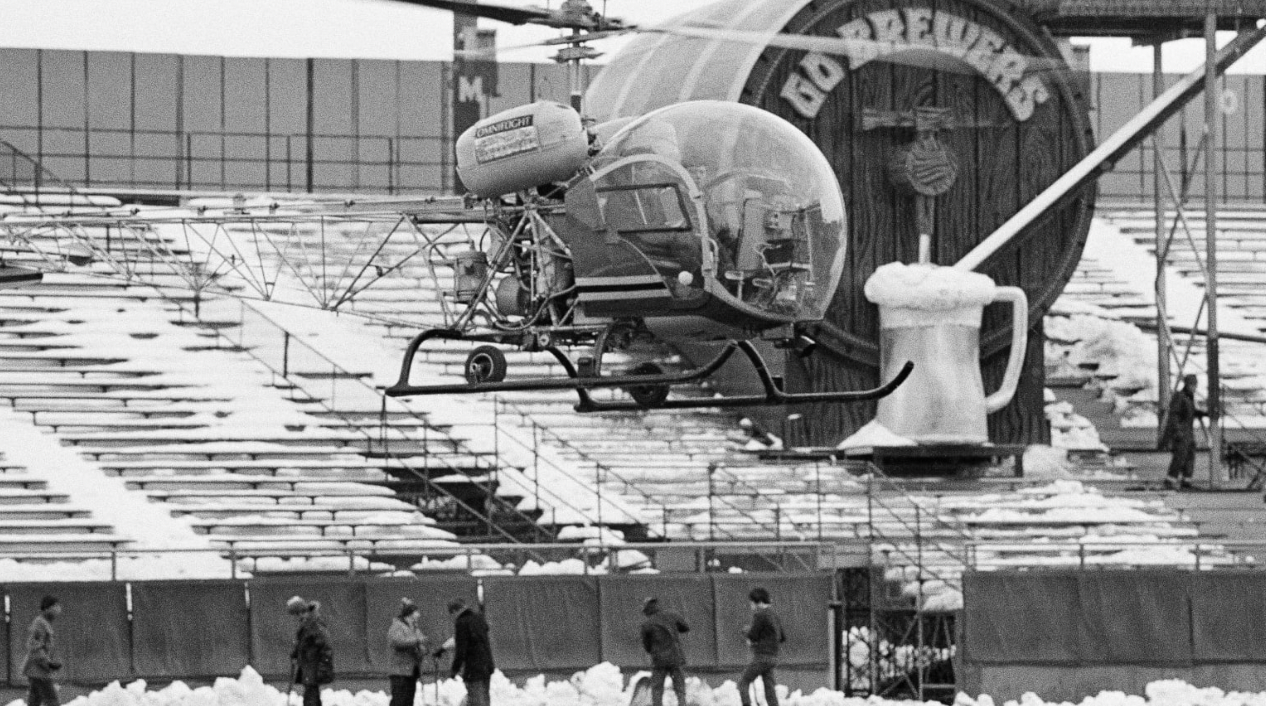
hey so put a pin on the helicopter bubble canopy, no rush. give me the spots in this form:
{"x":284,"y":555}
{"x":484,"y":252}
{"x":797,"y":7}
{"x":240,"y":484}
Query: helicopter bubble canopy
{"x":729,"y":203}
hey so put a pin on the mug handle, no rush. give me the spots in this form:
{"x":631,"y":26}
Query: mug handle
{"x":1019,"y":344}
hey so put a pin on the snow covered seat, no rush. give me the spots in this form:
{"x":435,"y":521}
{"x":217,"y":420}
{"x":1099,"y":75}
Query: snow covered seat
{"x":313,"y":511}
{"x":29,"y":526}
{"x":42,"y":511}
{"x":10,"y":496}
{"x":62,"y":542}
{"x":218,"y":451}
{"x":230,"y":482}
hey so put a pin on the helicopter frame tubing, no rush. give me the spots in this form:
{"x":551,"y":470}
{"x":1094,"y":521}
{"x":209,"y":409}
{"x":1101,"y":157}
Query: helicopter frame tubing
{"x":582,"y":384}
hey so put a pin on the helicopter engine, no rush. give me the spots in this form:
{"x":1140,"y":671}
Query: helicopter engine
{"x":522,"y":148}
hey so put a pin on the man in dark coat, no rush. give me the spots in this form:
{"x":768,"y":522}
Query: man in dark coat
{"x":1178,"y":436}
{"x":661,"y":638}
{"x":41,"y":658}
{"x":765,"y":636}
{"x":472,"y":652}
{"x":312,"y":658}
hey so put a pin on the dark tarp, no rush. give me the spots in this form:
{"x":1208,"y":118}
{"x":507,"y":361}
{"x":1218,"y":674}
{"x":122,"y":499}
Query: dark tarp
{"x":801,"y":602}
{"x":189,"y":628}
{"x":10,"y":628}
{"x":1003,"y":611}
{"x":91,"y":636}
{"x":543,"y":622}
{"x":431,"y":594}
{"x":1228,"y":617}
{"x":1135,"y":617}
{"x":620,"y":598}
{"x":273,"y":630}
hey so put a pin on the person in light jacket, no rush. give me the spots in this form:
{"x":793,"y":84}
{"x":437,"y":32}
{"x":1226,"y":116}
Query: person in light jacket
{"x":41,"y":663}
{"x":765,"y":636}
{"x":408,"y":647}
{"x":661,"y":638}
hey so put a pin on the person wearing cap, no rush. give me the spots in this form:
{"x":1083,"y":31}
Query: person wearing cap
{"x":1178,"y":435}
{"x":661,"y":638}
{"x":408,"y":646}
{"x":764,"y":636}
{"x":312,"y":657}
{"x":472,"y":651}
{"x":41,"y":658}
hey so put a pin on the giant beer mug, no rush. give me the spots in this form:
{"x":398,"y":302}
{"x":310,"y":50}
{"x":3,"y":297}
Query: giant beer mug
{"x":931,"y":315}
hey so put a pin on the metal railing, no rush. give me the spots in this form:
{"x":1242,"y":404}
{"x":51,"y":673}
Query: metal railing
{"x":596,"y":557}
{"x":233,"y":160}
{"x":1183,"y":553}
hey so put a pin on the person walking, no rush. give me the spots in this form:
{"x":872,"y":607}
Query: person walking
{"x":408,"y":646}
{"x":472,"y":652}
{"x":41,"y":657}
{"x":1178,"y":436}
{"x":661,"y":638}
{"x":765,"y":636}
{"x":312,"y":659}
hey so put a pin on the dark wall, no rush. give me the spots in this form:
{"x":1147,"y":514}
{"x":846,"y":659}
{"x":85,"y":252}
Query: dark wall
{"x":1068,"y":634}
{"x":203,"y":629}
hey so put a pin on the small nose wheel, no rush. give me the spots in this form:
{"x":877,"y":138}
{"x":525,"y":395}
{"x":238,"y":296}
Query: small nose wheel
{"x":648,"y":395}
{"x":485,"y":364}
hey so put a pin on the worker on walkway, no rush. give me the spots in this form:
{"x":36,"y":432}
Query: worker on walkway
{"x":472,"y":651}
{"x":661,"y":638}
{"x":312,"y":659}
{"x":41,"y":658}
{"x":765,"y":637}
{"x":408,"y":647}
{"x":1178,"y":436}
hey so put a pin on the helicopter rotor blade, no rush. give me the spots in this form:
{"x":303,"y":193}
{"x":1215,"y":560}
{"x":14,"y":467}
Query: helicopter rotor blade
{"x":574,"y":17}
{"x":501,"y":13}
{"x":854,"y":49}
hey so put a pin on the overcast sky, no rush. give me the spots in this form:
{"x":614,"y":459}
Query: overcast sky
{"x":374,"y":29}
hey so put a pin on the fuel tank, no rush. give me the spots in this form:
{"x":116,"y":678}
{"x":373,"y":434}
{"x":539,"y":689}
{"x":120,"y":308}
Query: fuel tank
{"x":521,"y":148}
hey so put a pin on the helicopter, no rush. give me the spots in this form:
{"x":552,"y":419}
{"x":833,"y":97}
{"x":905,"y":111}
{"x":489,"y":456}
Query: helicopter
{"x":700,"y":221}
{"x":713,"y":222}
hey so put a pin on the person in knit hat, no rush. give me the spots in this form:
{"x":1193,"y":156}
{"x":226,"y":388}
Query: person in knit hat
{"x":408,"y":647}
{"x":661,"y":638}
{"x":312,"y":658}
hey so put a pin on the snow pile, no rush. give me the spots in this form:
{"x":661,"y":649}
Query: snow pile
{"x":600,"y":685}
{"x":1069,"y":430}
{"x":603,"y":685}
{"x":1120,"y":349}
{"x":874,"y":434}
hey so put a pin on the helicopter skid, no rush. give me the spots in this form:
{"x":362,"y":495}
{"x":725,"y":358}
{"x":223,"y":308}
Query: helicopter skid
{"x":583,"y":384}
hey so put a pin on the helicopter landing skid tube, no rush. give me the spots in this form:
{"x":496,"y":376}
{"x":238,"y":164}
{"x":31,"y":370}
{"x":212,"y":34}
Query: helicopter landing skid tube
{"x":574,"y":381}
{"x":582,"y":384}
{"x":772,"y":397}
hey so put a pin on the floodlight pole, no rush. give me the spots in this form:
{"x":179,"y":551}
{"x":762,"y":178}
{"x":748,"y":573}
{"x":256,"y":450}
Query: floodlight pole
{"x":1162,"y":250}
{"x":1211,"y":96}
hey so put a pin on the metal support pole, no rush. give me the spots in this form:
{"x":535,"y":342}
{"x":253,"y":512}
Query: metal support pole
{"x":1211,"y":165}
{"x":1162,"y":246}
{"x":712,"y":520}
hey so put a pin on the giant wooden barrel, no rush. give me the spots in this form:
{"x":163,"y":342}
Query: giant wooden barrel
{"x":962,"y":108}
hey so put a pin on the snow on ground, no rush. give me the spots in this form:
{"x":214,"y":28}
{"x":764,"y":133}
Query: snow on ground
{"x":600,"y":685}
